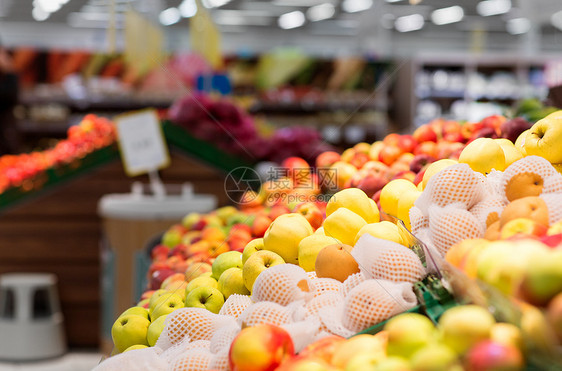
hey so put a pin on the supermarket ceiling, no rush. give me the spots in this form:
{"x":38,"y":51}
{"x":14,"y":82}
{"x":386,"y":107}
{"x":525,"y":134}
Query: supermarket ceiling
{"x":400,"y":16}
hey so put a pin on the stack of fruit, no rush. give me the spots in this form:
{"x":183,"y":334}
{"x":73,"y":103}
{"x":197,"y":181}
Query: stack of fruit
{"x":91,"y":134}
{"x":466,"y":338}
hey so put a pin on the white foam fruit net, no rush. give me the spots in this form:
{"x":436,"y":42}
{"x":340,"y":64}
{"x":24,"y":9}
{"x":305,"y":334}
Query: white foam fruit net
{"x":223,"y":337}
{"x":351,"y":281}
{"x":266,"y":312}
{"x":220,"y":361}
{"x":139,"y":359}
{"x":325,"y":300}
{"x":235,"y":305}
{"x":198,"y":359}
{"x":553,"y":184}
{"x":530,"y":164}
{"x":282,"y":284}
{"x":303,"y":332}
{"x":488,"y":209}
{"x":417,"y":219}
{"x":191,"y":323}
{"x":322,"y":285}
{"x":455,"y":184}
{"x":312,"y":275}
{"x":451,"y":224}
{"x":554,"y":203}
{"x":387,"y":260}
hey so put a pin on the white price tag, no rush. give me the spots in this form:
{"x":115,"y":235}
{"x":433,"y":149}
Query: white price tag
{"x":141,"y":142}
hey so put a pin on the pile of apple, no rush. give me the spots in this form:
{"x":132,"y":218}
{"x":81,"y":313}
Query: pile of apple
{"x":370,"y":167}
{"x":90,"y":134}
{"x":466,"y":338}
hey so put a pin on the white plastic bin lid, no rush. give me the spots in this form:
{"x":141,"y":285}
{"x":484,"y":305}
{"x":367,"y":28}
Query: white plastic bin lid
{"x":139,"y":206}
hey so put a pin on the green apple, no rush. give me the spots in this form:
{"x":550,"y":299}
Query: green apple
{"x":134,"y":347}
{"x":225,"y":212}
{"x":464,"y":326}
{"x":155,"y":329}
{"x":201,"y":281}
{"x":231,"y":282}
{"x":251,"y":247}
{"x":153,"y":299}
{"x":257,"y":263}
{"x":129,"y":330}
{"x":543,"y":279}
{"x":171,"y":238}
{"x":544,"y":137}
{"x":409,"y":332}
{"x":166,"y":304}
{"x":224,"y":261}
{"x":190,"y":219}
{"x":138,"y":311}
{"x":197,"y":269}
{"x":364,"y":361}
{"x":205,"y":297}
{"x":435,"y":357}
{"x":393,"y":363}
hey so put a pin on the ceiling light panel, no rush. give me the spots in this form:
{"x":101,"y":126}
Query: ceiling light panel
{"x":409,"y":23}
{"x":321,"y":12}
{"x":488,"y":8}
{"x":291,"y":20}
{"x":447,"y":15}
{"x":354,"y":6}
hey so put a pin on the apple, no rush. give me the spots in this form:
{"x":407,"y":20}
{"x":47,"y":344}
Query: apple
{"x":376,"y":149}
{"x":407,"y":143}
{"x":310,"y":246}
{"x":343,"y":225}
{"x":492,"y":356}
{"x":327,"y":159}
{"x":174,"y":277}
{"x":405,"y":203}
{"x":426,"y":148}
{"x":424,"y":134}
{"x":384,"y":230}
{"x":312,"y":213}
{"x":511,"y":153}
{"x":507,"y":334}
{"x":251,"y":247}
{"x":204,"y":280}
{"x":369,"y":182}
{"x":483,"y":155}
{"x":393,"y":364}
{"x":284,"y":235}
{"x":155,"y":295}
{"x":554,"y":315}
{"x":155,"y":329}
{"x":277,"y":211}
{"x":435,"y":357}
{"x":165,"y":304}
{"x":323,"y":348}
{"x":523,"y":226}
{"x":231,"y":282}
{"x":543,"y":138}
{"x":420,"y":162}
{"x":543,"y":279}
{"x":464,"y":326}
{"x":552,"y":241}
{"x":260,"y":348}
{"x":359,"y":159}
{"x":348,"y":154}
{"x":171,"y":238}
{"x":257,"y":263}
{"x":135,"y":347}
{"x":511,"y":129}
{"x":391,"y":194}
{"x":530,"y":207}
{"x":129,"y":330}
{"x":434,"y":168}
{"x":389,"y":154}
{"x":301,"y":363}
{"x":196,"y":269}
{"x":485,"y":132}
{"x":205,"y":297}
{"x":408,"y":333}
{"x":178,"y":287}
{"x":225,"y":212}
{"x":190,"y":220}
{"x":342,"y":172}
{"x":144,"y":303}
{"x":137,"y":311}
{"x":260,"y":225}
{"x":211,"y":233}
{"x":224,"y":261}
{"x":158,"y":276}
{"x":356,"y":201}
{"x":355,"y":345}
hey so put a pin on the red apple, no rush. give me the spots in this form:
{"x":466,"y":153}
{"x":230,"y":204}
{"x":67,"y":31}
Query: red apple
{"x":392,"y":140}
{"x":294,"y":165}
{"x":260,"y":225}
{"x":327,"y":159}
{"x":553,"y":241}
{"x":260,"y":348}
{"x":359,"y":159}
{"x":370,"y":183}
{"x":511,"y":129}
{"x":157,"y":277}
{"x":454,"y":137}
{"x":376,"y":167}
{"x":523,"y":226}
{"x":492,"y":356}
{"x":389,"y":154}
{"x":469,"y":129}
{"x":420,"y":162}
{"x":347,"y":155}
{"x":407,"y":143}
{"x":323,"y":348}
{"x":424,"y":134}
{"x":426,"y":148}
{"x":407,"y":174}
{"x":157,"y":265}
{"x":278,"y":210}
{"x":451,"y":127}
{"x":312,"y":213}
{"x":419,"y":177}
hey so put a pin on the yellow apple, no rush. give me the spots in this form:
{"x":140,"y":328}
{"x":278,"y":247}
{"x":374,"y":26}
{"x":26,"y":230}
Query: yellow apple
{"x":434,"y":168}
{"x":510,"y":152}
{"x":135,"y":347}
{"x":165,"y":304}
{"x":483,"y":155}
{"x":391,"y":194}
{"x":129,"y":330}
{"x":320,"y":231}
{"x":310,"y":246}
{"x":384,"y":230}
{"x":357,"y":345}
{"x":355,"y":200}
{"x":155,"y":329}
{"x":251,"y":247}
{"x":257,"y":263}
{"x":343,"y":173}
{"x":284,"y":235}
{"x":555,"y":228}
{"x":343,"y":224}
{"x":464,"y":326}
{"x":405,"y":203}
{"x":232,"y":282}
{"x":520,"y":142}
{"x":201,"y":281}
{"x":544,"y":138}
{"x":139,"y":311}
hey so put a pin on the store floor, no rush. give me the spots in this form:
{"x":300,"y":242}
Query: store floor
{"x":72,"y":361}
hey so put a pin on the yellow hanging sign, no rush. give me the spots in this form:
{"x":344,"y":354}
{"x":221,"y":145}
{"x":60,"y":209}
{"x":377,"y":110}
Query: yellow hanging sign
{"x":205,"y":37}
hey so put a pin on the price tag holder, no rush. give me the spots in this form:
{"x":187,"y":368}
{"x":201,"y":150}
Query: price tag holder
{"x":141,"y":142}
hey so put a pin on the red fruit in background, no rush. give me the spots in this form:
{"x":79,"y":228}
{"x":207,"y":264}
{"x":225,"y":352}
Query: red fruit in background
{"x":376,"y":167}
{"x":425,"y":133}
{"x":446,"y":149}
{"x":454,"y":137}
{"x":370,"y":183}
{"x":159,"y":251}
{"x":295,"y":166}
{"x":389,"y":154}
{"x":260,"y":348}
{"x":359,"y":159}
{"x":419,"y":177}
{"x":180,"y":250}
{"x":494,"y":122}
{"x":451,"y":127}
{"x":492,"y":356}
{"x":553,"y":241}
{"x":408,"y":175}
{"x":426,"y":148}
{"x":377,"y":197}
{"x":312,"y":213}
{"x":392,"y":139}
{"x":278,"y":210}
{"x":407,"y":143}
{"x":158,"y":276}
{"x":468,"y":129}
{"x":511,"y":129}
{"x":485,"y":132}
{"x":420,"y":162}
{"x":323,"y":348}
{"x":260,"y":225}
{"x":327,"y":159}
{"x":156,"y":266}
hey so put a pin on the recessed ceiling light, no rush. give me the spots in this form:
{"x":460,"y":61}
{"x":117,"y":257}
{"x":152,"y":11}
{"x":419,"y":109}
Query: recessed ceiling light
{"x":517,"y":26}
{"x":321,"y":12}
{"x":488,"y":8}
{"x":188,"y":8}
{"x":556,"y":20}
{"x":291,"y":20}
{"x":49,"y":6}
{"x":39,"y":14}
{"x":214,"y":3}
{"x":409,"y":23}
{"x":448,"y":15}
{"x":169,"y":16}
{"x":354,"y":6}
